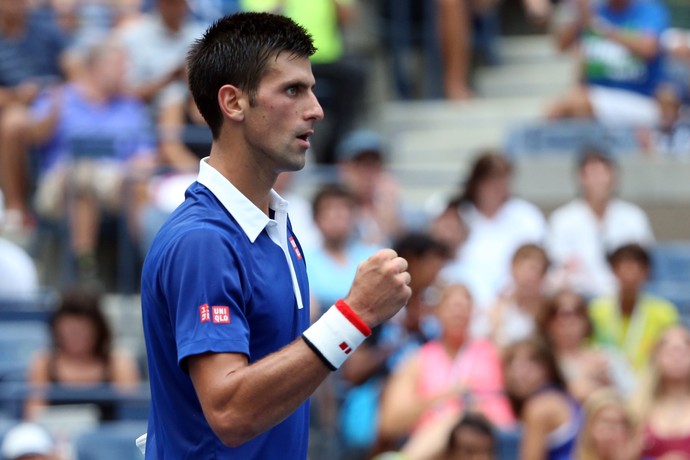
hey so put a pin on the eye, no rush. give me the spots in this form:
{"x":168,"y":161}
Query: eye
{"x":292,"y":91}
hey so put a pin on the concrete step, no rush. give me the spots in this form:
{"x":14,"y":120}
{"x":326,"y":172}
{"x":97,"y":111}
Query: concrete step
{"x":545,"y":79}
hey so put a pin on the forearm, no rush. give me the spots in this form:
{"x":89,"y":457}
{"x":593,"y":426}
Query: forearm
{"x":641,"y":46}
{"x":254,"y":398}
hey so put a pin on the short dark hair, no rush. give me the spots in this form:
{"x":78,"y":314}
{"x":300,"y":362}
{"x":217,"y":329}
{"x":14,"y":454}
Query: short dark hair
{"x":331,"y":191}
{"x":418,"y":244}
{"x":235,"y":50}
{"x":632,"y":251}
{"x":593,"y":154}
{"x":474,"y":421}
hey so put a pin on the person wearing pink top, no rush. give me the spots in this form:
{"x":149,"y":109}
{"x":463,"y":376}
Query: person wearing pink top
{"x":446,"y":377}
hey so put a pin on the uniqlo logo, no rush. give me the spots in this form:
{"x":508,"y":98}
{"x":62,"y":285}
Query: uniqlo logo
{"x":205,"y":313}
{"x":345,"y":347}
{"x":221,"y":315}
{"x":295,"y":248}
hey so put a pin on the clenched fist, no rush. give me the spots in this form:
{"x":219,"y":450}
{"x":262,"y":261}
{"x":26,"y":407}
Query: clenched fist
{"x":380,"y":288}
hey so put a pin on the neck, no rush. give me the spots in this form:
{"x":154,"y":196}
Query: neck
{"x":489,"y":209}
{"x":675,"y":388}
{"x":336,"y":249}
{"x":239,"y":167}
{"x":452,"y":345}
{"x":528,"y":299}
{"x":628,"y":299}
{"x":598,"y":205}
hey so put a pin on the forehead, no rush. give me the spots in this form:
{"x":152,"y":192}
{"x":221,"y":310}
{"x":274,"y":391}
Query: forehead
{"x":287,"y":67}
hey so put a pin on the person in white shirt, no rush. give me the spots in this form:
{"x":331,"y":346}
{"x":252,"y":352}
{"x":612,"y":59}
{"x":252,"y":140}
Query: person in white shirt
{"x":18,"y":274}
{"x":498,"y":224}
{"x":583,"y":231}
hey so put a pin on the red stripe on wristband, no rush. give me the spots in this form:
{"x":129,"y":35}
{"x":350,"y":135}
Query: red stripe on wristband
{"x":351,"y":316}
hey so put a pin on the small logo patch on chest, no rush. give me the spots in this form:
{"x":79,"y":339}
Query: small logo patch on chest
{"x":295,"y":248}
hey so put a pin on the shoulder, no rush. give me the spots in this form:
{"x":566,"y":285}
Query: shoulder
{"x":545,"y":406}
{"x":627,"y":208}
{"x":569,"y":210}
{"x":520,"y":206}
{"x":659,"y":306}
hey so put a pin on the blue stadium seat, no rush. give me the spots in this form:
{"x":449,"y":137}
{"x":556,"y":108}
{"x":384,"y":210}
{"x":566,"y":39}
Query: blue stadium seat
{"x":671,"y":262}
{"x":568,"y":137}
{"x":110,"y":441}
{"x":19,"y":341}
{"x":508,"y":444}
{"x":37,"y":307}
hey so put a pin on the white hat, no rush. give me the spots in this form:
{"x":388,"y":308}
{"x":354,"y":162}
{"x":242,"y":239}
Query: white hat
{"x":26,"y":439}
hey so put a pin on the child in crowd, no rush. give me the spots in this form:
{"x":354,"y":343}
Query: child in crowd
{"x":631,"y":320}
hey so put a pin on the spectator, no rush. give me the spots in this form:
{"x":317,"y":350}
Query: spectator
{"x":333,"y":264}
{"x":369,"y":366}
{"x":582,"y":232}
{"x":566,"y":326}
{"x":498,"y":224}
{"x":671,"y":137}
{"x":81,"y":357}
{"x":609,"y":431}
{"x":448,"y":227}
{"x":361,"y":166}
{"x":663,"y":399}
{"x":450,"y":375}
{"x":550,"y":417}
{"x":631,"y":320}
{"x":331,"y":269}
{"x":514,"y":315}
{"x":91,"y":138}
{"x":28,"y":441}
{"x":471,"y":437}
{"x":18,"y":275}
{"x":621,"y":60}
{"x":342,"y":80}
{"x":156,"y":46}
{"x":31,"y":47}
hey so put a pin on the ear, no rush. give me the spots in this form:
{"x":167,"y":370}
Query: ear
{"x":233,"y":102}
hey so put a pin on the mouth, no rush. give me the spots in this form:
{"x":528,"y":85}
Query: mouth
{"x":305,"y":136}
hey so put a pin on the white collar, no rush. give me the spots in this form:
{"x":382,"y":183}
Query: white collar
{"x":250,"y":218}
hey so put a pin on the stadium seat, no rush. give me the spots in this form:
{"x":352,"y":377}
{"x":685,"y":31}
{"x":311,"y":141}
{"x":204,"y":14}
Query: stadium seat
{"x":19,"y":341}
{"x":110,"y":441}
{"x":568,"y":137}
{"x":671,"y":262}
{"x":508,"y":444}
{"x":37,"y":307}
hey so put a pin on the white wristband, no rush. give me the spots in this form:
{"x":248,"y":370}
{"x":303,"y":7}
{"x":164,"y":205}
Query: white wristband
{"x":336,"y":334}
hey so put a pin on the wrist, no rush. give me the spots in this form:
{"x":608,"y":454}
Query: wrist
{"x":336,"y":334}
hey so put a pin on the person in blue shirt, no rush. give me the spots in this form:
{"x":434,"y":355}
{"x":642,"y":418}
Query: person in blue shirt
{"x":621,"y":58}
{"x":225,"y":298}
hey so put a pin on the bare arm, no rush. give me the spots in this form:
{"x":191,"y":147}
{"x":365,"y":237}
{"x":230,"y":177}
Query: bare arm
{"x":644,"y":46}
{"x":396,"y":419}
{"x":241,"y":401}
{"x":37,"y":377}
{"x":535,"y":430}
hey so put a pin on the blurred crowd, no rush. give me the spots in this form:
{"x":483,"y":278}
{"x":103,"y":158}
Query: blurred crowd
{"x":526,"y":333}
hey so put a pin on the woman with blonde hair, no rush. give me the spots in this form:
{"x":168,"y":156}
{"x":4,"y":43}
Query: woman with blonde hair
{"x":609,"y":430}
{"x":662,"y":401}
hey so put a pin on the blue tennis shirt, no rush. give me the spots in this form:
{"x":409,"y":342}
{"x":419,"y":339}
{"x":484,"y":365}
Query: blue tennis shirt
{"x":221,"y":277}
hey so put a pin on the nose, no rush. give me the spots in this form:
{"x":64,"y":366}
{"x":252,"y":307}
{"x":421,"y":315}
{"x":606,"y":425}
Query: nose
{"x":315,"y":111}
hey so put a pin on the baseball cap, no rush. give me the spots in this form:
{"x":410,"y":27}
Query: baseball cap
{"x":26,"y":439}
{"x":358,"y":142}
